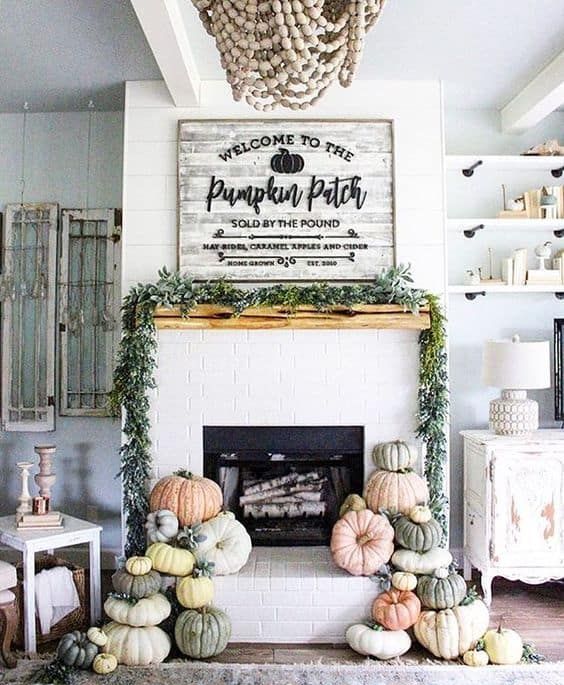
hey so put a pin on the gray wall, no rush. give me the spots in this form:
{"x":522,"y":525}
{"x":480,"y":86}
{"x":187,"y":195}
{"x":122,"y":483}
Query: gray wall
{"x":494,"y":316}
{"x":56,"y":152}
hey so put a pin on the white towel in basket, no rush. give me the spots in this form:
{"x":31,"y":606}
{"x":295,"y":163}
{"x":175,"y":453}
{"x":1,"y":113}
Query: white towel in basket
{"x":55,"y":596}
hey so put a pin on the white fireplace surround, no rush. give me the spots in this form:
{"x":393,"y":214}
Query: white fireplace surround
{"x":289,"y":377}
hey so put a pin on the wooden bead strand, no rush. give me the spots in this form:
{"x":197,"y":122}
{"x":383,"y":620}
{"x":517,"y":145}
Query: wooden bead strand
{"x":288,"y":52}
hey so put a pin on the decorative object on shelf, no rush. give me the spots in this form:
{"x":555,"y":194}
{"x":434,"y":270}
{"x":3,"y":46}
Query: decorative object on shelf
{"x":512,"y":208}
{"x":134,"y":374}
{"x":45,"y":479}
{"x":322,"y":209}
{"x":472,"y":277}
{"x":507,"y":268}
{"x":515,"y":367}
{"x":549,"y":148}
{"x":24,"y":506}
{"x":491,"y":280}
{"x":542,"y":253}
{"x":520,"y":266}
{"x":291,"y":52}
{"x":548,"y":206}
{"x":377,"y":642}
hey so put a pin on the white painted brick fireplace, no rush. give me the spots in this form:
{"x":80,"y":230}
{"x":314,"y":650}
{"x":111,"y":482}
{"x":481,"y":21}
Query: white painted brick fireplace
{"x":284,"y":377}
{"x":273,"y":378}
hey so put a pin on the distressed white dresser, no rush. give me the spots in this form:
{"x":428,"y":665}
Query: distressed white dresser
{"x":513,"y":506}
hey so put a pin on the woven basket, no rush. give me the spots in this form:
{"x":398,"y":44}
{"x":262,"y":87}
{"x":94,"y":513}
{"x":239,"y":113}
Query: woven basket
{"x":76,"y":620}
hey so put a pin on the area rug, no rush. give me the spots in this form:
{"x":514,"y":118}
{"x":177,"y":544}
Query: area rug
{"x":365,"y":673}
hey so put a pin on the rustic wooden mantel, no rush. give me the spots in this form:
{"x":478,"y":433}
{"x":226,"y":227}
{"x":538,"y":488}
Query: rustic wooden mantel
{"x":389,"y":316}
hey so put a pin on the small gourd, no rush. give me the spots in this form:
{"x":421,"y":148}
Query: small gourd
{"x":420,"y":513}
{"x":104,"y":664}
{"x":402,"y":580}
{"x":97,"y":636}
{"x":476,"y":657}
{"x":352,"y":503}
{"x":138,"y":566}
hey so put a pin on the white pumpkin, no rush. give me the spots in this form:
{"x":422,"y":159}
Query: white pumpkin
{"x":421,"y":563}
{"x":450,"y":633}
{"x":161,"y":525}
{"x":504,"y":646}
{"x":382,"y":644}
{"x":149,"y":611}
{"x":97,"y":636}
{"x":227,"y":544}
{"x":136,"y":646}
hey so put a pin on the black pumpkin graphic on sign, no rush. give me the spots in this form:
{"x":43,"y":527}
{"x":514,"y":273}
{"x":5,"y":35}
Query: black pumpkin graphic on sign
{"x":286,"y":162}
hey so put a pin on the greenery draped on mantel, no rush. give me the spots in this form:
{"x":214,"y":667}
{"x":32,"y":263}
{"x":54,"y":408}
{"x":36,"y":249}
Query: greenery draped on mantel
{"x":134,"y":374}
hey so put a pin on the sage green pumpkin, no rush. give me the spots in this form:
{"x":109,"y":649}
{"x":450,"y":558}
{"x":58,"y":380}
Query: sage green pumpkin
{"x":442,"y":590}
{"x":394,"y":456}
{"x":136,"y":586}
{"x":75,"y":649}
{"x":418,"y":537}
{"x":202,"y":633}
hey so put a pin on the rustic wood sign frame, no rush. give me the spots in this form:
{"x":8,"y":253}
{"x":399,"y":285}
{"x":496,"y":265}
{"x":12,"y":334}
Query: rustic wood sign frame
{"x":286,"y":200}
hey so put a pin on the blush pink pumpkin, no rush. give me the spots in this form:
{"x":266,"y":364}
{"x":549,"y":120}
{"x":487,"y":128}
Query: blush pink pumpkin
{"x":361,"y":542}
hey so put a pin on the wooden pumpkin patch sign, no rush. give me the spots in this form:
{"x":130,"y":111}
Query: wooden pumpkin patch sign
{"x":285,"y":200}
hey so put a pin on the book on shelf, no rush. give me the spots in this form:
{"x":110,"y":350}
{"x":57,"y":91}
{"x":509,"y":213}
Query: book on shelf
{"x":507,"y":270}
{"x":49,"y":517}
{"x":544,"y":277}
{"x":520,"y":266}
{"x":32,"y":527}
{"x":508,"y":214}
{"x":532,"y":203}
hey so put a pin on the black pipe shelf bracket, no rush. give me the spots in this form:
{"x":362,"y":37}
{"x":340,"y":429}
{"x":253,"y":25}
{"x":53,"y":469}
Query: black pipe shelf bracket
{"x":558,"y":232}
{"x":557,"y":173}
{"x":473,"y":296}
{"x":471,"y":232}
{"x":559,"y":295}
{"x":469,"y":172}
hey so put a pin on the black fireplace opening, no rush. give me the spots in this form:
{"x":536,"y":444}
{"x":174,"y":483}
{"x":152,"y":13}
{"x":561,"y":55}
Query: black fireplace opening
{"x":285,"y":483}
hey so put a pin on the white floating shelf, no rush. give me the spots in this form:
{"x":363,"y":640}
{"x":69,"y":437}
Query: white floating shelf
{"x":517,"y":162}
{"x":506,"y":289}
{"x":506,"y":224}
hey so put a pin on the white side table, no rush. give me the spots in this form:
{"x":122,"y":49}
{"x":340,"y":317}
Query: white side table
{"x":74,"y":532}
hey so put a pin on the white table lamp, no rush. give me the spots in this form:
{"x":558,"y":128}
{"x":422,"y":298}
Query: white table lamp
{"x":515,"y":367}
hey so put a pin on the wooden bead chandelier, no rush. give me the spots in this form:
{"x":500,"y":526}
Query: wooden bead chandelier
{"x":288,"y":52}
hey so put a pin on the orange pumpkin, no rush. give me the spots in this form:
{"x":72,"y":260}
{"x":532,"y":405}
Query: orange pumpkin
{"x":361,"y":542}
{"x":396,"y":609}
{"x":395,"y":492}
{"x":192,"y":498}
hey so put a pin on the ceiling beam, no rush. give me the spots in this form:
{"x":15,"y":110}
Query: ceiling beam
{"x":165,"y":30}
{"x":540,"y":97}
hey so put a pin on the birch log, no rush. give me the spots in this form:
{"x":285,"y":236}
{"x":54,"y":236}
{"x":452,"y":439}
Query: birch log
{"x":279,"y":481}
{"x":292,"y":510}
{"x":267,"y":495}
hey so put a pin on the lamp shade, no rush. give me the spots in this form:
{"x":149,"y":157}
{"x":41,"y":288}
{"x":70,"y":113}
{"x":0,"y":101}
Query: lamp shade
{"x":516,"y":365}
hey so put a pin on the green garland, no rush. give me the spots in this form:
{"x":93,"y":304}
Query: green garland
{"x":134,"y":374}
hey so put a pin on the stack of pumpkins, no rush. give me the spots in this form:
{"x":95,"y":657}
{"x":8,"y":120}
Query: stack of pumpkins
{"x":424,"y":594}
{"x":191,"y":539}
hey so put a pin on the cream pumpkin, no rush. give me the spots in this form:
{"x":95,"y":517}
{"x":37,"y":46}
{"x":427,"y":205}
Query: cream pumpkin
{"x":361,"y":542}
{"x":394,"y":456}
{"x":104,"y":664}
{"x":192,"y":498}
{"x":402,"y":580}
{"x":227,"y":545}
{"x":395,"y":492}
{"x":504,"y":646}
{"x":149,"y":611}
{"x":376,"y":642}
{"x":170,"y":560}
{"x":448,"y":633}
{"x":420,"y":563}
{"x":136,"y":646}
{"x":97,"y":636}
{"x":476,"y":657}
{"x":138,"y":566}
{"x":194,"y":593}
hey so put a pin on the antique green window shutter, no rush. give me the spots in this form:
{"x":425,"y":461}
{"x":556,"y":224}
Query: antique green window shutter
{"x":89,"y":288}
{"x":27,"y":294}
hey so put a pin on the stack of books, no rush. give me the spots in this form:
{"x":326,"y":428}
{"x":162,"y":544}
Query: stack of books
{"x":50,"y":521}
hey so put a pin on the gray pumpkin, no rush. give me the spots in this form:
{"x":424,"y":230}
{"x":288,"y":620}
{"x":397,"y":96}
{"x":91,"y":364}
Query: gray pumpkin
{"x":75,"y":649}
{"x":136,"y":586}
{"x":202,"y":633}
{"x":418,"y":537}
{"x":442,"y":590}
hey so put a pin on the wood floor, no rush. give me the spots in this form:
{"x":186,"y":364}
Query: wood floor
{"x":535,"y":611}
